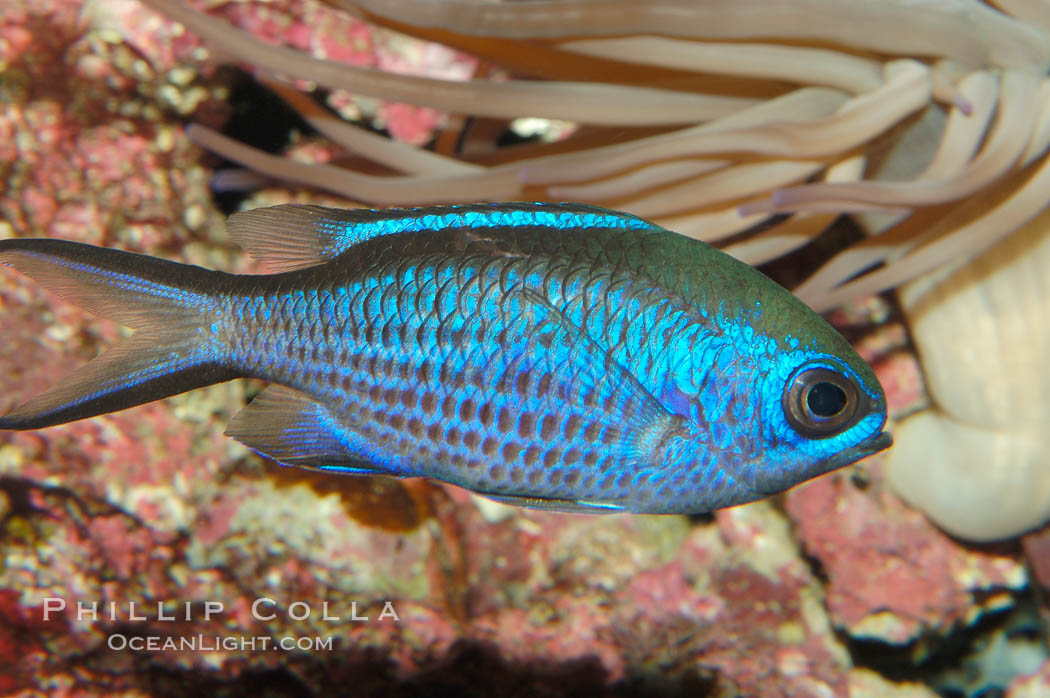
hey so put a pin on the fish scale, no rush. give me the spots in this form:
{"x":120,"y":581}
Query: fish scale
{"x":445,"y":445}
{"x":445,"y":440}
{"x":552,"y":355}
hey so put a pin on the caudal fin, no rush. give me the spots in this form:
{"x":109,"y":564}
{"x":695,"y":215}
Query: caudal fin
{"x":171,"y":306}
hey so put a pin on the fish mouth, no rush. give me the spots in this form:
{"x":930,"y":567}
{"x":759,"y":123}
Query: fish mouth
{"x":868,"y":447}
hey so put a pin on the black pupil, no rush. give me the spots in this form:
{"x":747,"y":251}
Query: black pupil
{"x":826,"y":399}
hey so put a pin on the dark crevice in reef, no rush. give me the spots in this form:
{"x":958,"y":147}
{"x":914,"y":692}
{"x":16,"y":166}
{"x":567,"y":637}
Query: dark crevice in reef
{"x":469,"y":669}
{"x":977,"y":661}
{"x":258,"y":118}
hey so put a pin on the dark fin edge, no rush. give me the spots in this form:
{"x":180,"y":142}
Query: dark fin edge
{"x":168,"y":355}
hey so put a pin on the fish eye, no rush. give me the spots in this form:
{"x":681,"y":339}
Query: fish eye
{"x":820,"y":402}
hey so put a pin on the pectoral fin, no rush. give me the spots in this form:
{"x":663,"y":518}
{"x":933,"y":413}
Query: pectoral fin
{"x":567,"y":506}
{"x":599,"y":381}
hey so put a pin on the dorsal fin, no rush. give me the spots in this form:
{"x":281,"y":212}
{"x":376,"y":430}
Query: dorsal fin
{"x":296,"y":236}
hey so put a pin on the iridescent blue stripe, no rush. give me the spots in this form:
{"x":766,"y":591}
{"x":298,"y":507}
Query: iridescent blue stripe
{"x":476,"y":217}
{"x":131,"y":283}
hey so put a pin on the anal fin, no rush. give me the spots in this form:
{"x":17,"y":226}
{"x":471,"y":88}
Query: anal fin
{"x":289,"y":427}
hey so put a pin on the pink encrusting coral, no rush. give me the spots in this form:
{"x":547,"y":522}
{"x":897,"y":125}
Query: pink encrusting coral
{"x":154,"y":505}
{"x":892,"y":574}
{"x":82,"y":154}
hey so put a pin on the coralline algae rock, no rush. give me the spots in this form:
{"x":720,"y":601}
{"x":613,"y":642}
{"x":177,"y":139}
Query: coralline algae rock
{"x":868,"y":684}
{"x":154,"y":506}
{"x":1034,"y":685}
{"x":1037,"y":551}
{"x":892,"y":575}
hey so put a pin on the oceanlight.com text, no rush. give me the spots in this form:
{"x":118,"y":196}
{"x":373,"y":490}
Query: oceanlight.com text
{"x":216,"y":643}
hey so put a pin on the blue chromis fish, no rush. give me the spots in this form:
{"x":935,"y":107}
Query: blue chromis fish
{"x":558,"y":356}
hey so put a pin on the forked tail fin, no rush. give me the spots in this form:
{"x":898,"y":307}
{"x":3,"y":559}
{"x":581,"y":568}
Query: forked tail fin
{"x":173,"y":307}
